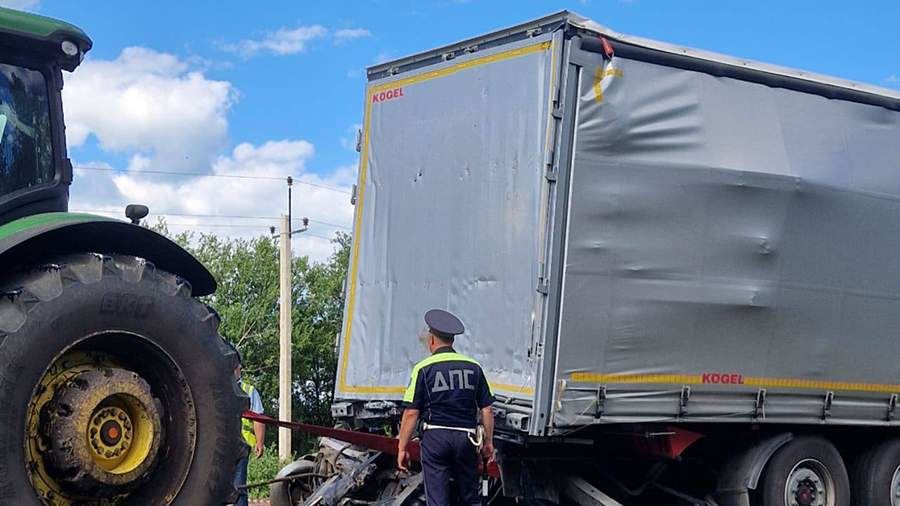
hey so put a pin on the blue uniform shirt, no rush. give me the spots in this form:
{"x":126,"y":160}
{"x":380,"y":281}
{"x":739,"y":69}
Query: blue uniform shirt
{"x":448,"y":389}
{"x":256,"y":405}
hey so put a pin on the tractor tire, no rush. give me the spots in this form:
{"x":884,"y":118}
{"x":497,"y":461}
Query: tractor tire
{"x":876,"y":475}
{"x":809,"y":470}
{"x":96,"y":342}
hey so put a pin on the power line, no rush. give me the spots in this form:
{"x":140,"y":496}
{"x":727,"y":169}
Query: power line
{"x":202,"y":174}
{"x":226,"y":225}
{"x":224,"y":216}
{"x":217,"y":225}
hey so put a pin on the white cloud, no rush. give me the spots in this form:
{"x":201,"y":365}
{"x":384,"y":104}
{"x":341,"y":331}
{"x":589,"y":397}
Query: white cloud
{"x":283,"y":41}
{"x":191,"y":203}
{"x":22,"y":5}
{"x":161,"y":113}
{"x":348,"y":34}
{"x":893,"y":79}
{"x":152,"y":103}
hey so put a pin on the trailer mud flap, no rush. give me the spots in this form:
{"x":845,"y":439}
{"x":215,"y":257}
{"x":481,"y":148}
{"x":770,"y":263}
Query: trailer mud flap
{"x":525,"y":479}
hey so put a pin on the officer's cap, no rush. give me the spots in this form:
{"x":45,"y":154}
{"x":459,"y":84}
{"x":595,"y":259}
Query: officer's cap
{"x":443,"y":323}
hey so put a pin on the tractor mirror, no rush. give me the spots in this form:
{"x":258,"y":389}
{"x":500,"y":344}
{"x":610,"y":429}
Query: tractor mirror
{"x":136,"y":212}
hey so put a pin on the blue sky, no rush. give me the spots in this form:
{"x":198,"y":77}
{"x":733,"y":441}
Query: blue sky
{"x":278,"y":86}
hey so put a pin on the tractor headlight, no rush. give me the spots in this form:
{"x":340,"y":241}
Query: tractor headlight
{"x":69,"y":48}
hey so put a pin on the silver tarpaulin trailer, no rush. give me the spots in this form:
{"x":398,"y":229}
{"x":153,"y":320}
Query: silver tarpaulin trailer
{"x":650,"y":234}
{"x":632,"y":232}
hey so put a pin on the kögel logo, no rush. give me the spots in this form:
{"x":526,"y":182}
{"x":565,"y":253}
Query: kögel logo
{"x":383,"y":96}
{"x":723,"y":378}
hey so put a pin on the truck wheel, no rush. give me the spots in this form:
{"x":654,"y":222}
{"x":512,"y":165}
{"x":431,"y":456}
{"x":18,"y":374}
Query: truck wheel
{"x":807,"y":471}
{"x":876,"y":475}
{"x":291,"y":493}
{"x":116,"y":388}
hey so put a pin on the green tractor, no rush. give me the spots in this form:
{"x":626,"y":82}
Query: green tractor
{"x":115,"y":386}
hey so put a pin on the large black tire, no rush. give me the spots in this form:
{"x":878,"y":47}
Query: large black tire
{"x":771,"y":489}
{"x":872,"y":473}
{"x":143,"y":316}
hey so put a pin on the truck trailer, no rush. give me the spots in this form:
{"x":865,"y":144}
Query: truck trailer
{"x":678,"y":269}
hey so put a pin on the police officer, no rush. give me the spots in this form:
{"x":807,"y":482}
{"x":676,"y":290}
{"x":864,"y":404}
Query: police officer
{"x":447,"y":390}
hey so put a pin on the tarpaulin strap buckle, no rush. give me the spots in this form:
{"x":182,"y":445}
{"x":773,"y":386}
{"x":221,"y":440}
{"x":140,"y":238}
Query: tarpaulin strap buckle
{"x":608,"y":51}
{"x":760,"y":410}
{"x":685,"y":397}
{"x":829,"y":400}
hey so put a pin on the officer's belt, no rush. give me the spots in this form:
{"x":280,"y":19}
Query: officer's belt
{"x":476,"y":436}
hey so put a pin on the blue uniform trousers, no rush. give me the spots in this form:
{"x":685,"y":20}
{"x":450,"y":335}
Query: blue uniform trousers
{"x":446,"y":455}
{"x":240,"y":479}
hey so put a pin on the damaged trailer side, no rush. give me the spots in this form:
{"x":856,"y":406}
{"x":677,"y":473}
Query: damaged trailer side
{"x":728,"y":250}
{"x":666,"y":259}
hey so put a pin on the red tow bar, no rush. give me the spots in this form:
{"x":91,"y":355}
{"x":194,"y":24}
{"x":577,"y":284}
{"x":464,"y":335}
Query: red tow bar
{"x":376,"y":442}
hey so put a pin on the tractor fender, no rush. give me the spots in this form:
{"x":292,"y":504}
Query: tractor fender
{"x":745,"y":467}
{"x":34,"y":238}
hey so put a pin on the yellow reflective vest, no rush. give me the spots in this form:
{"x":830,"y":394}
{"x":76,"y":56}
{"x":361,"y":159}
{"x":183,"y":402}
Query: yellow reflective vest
{"x":247,"y":425}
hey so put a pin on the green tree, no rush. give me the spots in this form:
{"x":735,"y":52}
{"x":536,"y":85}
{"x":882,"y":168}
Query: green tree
{"x":318,"y":315}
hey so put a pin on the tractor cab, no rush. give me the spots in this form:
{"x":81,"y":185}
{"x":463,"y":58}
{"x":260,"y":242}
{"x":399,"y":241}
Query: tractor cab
{"x":35,"y":172}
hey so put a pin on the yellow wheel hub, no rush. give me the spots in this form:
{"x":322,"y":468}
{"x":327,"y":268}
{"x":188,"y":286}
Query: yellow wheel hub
{"x":109,"y":432}
{"x":94,"y":431}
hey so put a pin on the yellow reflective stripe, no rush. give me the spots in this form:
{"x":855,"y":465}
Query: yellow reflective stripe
{"x":453,"y":69}
{"x":444,"y":357}
{"x":506,"y":387}
{"x":247,"y":425}
{"x":410,"y":394}
{"x":360,"y":199}
{"x":589,"y":377}
{"x":354,"y":264}
{"x":764,"y":382}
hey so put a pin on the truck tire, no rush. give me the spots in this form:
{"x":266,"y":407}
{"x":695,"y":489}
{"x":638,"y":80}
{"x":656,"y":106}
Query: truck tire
{"x":803,"y":470}
{"x":876,"y":475}
{"x":115,"y":385}
{"x":288,"y":493}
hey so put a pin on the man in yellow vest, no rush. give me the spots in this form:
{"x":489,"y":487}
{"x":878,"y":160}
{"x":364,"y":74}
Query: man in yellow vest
{"x":254,"y":434}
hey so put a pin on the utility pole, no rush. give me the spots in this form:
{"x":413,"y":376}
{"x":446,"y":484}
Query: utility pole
{"x":285,"y":324}
{"x":284,"y":348}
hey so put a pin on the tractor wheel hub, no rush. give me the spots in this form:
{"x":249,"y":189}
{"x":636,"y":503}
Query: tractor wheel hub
{"x":110,"y":431}
{"x":104,"y":430}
